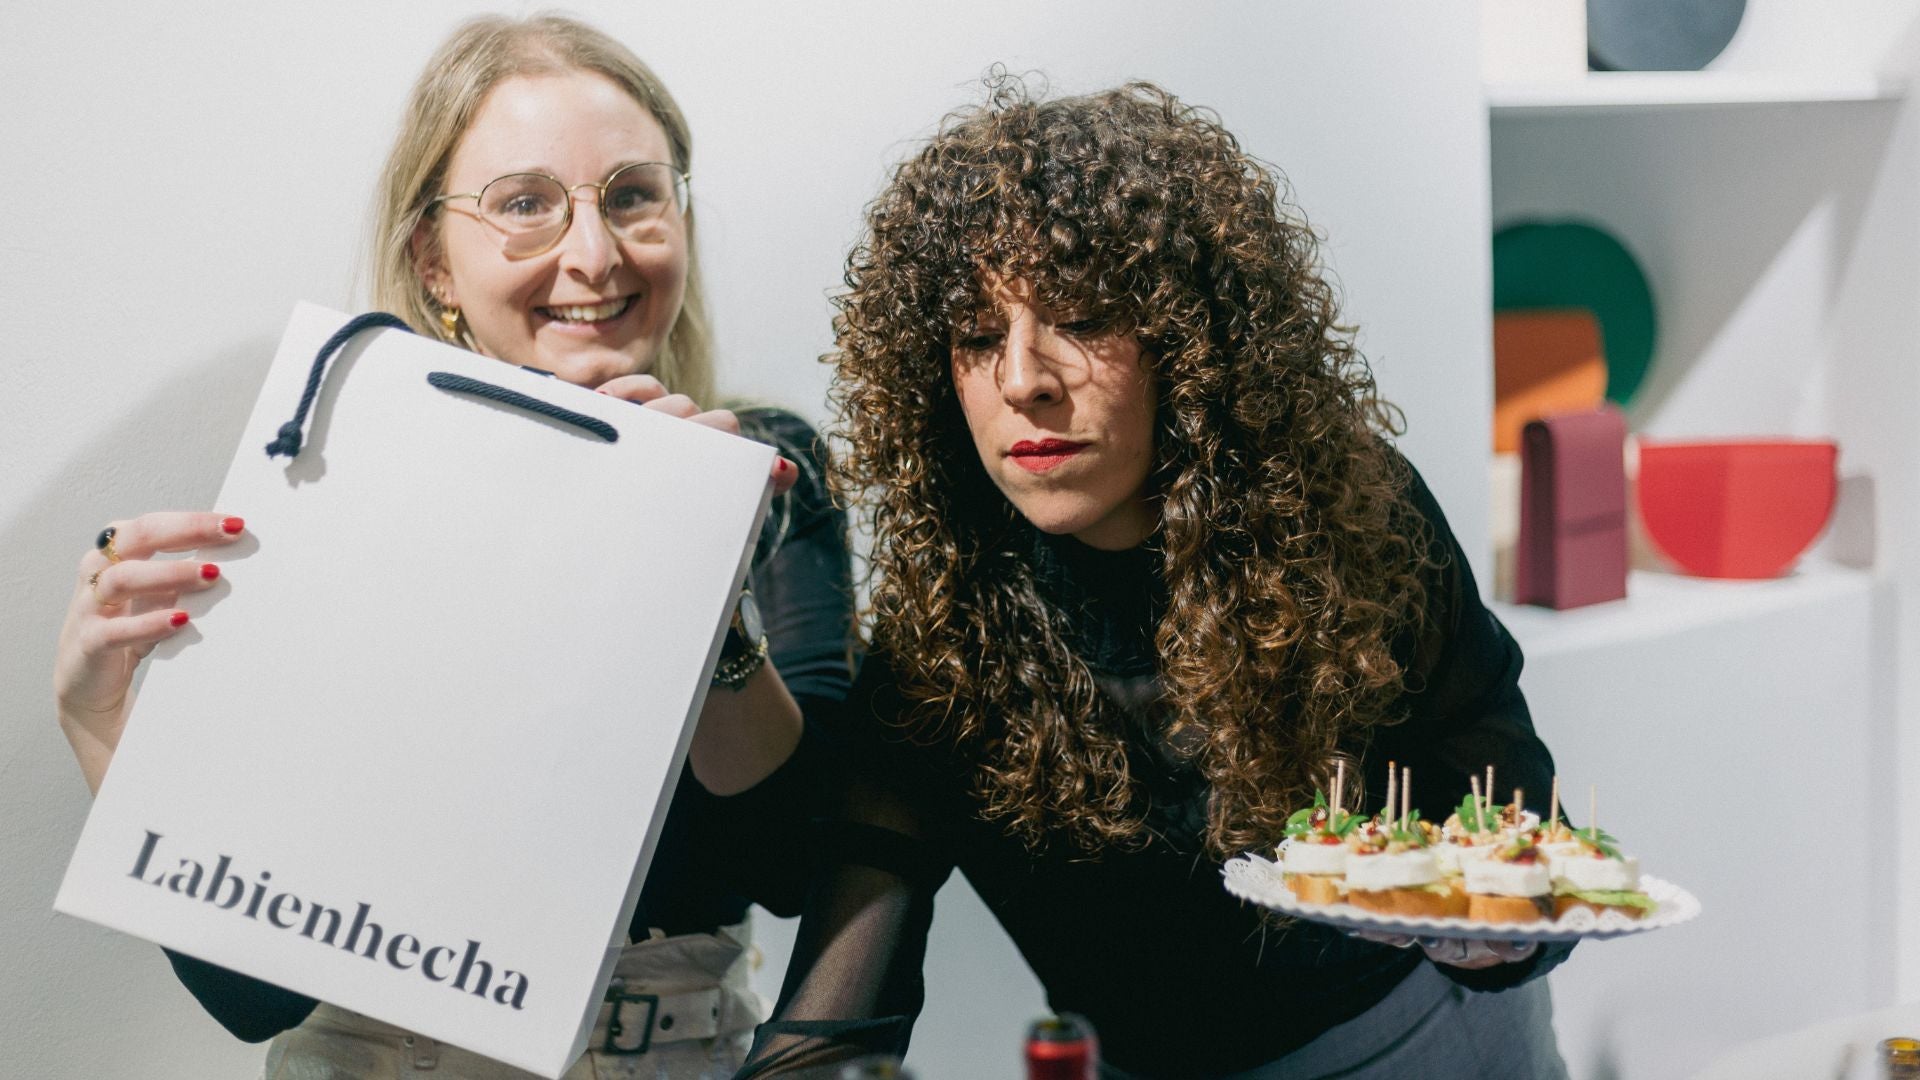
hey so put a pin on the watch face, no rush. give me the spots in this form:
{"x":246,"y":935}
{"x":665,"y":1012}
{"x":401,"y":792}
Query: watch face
{"x":750,"y":619}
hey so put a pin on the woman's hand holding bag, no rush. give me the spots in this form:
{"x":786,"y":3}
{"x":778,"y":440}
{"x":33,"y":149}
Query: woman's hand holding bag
{"x":123,"y":605}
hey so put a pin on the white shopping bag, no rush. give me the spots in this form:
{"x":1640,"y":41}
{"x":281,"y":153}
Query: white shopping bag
{"x":413,"y":757}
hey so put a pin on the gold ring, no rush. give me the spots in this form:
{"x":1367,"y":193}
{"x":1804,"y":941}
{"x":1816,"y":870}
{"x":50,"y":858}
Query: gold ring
{"x":104,"y":542}
{"x":93,"y":585}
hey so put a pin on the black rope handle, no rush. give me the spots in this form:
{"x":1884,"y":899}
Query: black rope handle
{"x":291,"y":435}
{"x":461,"y":384}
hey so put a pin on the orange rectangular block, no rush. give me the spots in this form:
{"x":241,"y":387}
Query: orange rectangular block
{"x":1545,"y":362}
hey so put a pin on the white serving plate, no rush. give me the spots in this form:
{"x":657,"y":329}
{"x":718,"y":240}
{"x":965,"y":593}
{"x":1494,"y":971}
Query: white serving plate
{"x":1257,"y":879}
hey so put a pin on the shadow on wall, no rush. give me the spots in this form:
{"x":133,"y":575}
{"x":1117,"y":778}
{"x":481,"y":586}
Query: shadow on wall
{"x":1681,"y":190}
{"x":169,"y":451}
{"x":1834,"y":169}
{"x":1603,"y":1061}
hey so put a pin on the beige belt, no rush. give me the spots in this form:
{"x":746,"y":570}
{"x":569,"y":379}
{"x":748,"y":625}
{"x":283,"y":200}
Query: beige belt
{"x":638,"y":1020}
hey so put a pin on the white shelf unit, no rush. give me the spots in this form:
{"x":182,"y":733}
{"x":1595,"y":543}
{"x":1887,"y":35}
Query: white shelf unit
{"x":1627,"y":91}
{"x":1661,"y":605}
{"x":1777,"y":217}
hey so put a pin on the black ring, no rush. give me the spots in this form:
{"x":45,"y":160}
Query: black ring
{"x":106,"y":537}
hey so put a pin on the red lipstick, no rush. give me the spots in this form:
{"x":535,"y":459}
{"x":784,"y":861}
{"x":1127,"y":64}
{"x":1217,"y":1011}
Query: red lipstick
{"x":1043,"y":455}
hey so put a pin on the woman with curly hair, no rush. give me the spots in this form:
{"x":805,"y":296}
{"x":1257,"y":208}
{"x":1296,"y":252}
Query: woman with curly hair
{"x":1145,"y":568}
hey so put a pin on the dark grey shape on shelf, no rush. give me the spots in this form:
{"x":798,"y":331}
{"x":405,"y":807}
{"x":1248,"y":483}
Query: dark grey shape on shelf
{"x":1659,"y":35}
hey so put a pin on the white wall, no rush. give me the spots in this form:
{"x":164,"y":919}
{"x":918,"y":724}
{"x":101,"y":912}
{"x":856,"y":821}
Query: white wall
{"x":183,"y":174}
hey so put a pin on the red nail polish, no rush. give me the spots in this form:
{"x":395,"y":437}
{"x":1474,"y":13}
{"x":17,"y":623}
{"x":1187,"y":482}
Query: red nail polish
{"x":783,"y":465}
{"x":209,"y":572}
{"x":232,"y":526}
{"x":178,"y":619}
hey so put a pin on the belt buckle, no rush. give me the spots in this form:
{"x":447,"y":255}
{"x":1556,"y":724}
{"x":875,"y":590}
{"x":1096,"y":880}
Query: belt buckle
{"x":617,"y":994}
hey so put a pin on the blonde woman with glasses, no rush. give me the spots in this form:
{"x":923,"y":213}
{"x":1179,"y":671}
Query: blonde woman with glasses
{"x":536,"y":209}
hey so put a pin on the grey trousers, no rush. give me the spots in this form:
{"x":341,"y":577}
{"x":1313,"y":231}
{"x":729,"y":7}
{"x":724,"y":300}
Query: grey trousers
{"x":1429,"y":1028}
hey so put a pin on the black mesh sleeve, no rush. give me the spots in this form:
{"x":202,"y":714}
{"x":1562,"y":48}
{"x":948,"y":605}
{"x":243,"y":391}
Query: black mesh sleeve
{"x":854,"y":985}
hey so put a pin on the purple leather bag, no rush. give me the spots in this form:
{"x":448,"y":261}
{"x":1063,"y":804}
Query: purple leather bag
{"x":1573,"y":510}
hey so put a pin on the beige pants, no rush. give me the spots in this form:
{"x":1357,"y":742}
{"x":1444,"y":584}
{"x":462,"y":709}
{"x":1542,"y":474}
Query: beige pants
{"x":684,"y":998}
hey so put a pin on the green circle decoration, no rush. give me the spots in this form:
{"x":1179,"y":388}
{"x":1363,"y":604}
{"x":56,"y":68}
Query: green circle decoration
{"x":1566,"y":264}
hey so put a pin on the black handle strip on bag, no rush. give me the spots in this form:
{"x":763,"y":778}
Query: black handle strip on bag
{"x":290,"y":434}
{"x":461,"y":384}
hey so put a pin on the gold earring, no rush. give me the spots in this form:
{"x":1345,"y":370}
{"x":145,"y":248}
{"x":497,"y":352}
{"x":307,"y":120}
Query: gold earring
{"x":450,"y":319}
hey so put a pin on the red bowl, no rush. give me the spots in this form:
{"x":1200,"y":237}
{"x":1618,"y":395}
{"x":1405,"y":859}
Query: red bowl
{"x":1736,"y":509}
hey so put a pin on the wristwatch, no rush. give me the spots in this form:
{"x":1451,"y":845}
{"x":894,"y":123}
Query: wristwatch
{"x":745,"y":647}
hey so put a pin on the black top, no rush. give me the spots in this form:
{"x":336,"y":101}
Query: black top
{"x":1177,"y":977}
{"x":801,"y":579}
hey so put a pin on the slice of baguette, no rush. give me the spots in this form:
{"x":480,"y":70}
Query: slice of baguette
{"x":1564,"y":904}
{"x":1314,"y":888}
{"x":1371,"y":900}
{"x":1425,"y":903}
{"x":1506,"y":909}
{"x":1412,"y":903}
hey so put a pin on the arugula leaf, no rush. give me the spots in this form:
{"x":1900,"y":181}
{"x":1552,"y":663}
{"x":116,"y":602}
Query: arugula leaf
{"x":1469,"y":813}
{"x":1599,"y":840}
{"x":1300,"y":822}
{"x":1408,"y":831}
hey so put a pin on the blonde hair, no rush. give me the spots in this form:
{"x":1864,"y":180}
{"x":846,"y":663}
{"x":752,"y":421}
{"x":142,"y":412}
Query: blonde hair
{"x":479,"y":56}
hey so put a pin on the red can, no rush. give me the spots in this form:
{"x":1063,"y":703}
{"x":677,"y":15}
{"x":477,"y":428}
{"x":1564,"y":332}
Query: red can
{"x":1062,"y":1048}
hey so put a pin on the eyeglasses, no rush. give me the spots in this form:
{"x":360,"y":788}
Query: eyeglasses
{"x":532,"y":211}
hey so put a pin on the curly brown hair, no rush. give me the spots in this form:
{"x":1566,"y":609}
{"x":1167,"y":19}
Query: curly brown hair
{"x":1292,"y":555}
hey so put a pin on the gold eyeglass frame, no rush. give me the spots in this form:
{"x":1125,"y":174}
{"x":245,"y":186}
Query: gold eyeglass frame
{"x":682,"y":199}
